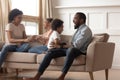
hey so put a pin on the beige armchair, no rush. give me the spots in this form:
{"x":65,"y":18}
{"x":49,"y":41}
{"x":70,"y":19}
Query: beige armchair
{"x":99,"y":56}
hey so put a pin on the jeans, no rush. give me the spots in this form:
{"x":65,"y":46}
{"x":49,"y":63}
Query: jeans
{"x":23,"y":48}
{"x":70,"y":53}
{"x":38,"y":49}
{"x":11,"y":48}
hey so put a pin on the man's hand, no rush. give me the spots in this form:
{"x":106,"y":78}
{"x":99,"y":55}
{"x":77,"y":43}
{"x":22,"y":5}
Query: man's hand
{"x":67,"y":45}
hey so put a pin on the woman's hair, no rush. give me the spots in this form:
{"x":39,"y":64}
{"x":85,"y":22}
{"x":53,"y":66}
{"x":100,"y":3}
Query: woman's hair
{"x":56,"y":23}
{"x":13,"y":13}
{"x":49,"y":20}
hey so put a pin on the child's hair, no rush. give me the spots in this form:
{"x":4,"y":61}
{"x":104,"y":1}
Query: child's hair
{"x":49,"y":20}
{"x":56,"y":23}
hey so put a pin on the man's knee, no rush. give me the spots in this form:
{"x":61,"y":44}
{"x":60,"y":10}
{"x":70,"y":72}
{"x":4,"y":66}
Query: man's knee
{"x":71,"y":50}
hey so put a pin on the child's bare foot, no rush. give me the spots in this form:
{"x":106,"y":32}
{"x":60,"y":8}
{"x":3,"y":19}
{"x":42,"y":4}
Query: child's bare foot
{"x":37,"y":77}
{"x":60,"y":79}
{"x":62,"y":76}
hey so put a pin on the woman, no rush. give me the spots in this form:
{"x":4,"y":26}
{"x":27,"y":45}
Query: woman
{"x":43,"y":39}
{"x":15,"y":35}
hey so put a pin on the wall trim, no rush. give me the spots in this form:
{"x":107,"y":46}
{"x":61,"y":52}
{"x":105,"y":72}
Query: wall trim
{"x":88,"y":6}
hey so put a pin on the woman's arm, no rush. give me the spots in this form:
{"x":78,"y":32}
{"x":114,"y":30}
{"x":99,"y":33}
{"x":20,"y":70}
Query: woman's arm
{"x":15,"y":40}
{"x":46,"y":35}
{"x":24,"y":35}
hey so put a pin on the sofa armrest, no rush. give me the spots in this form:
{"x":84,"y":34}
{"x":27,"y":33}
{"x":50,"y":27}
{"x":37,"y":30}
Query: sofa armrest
{"x":1,"y":44}
{"x":99,"y":56}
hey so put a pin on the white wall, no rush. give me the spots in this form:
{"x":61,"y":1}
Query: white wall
{"x":102,"y":17}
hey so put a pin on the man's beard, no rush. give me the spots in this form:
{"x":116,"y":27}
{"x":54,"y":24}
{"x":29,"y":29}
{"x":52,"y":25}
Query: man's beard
{"x":76,"y":26}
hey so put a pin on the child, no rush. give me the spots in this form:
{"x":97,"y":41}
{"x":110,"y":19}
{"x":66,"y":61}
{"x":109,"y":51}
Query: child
{"x":55,"y":40}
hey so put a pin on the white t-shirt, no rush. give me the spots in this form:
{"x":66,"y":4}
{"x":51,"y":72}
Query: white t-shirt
{"x":53,"y":36}
{"x":16,"y":32}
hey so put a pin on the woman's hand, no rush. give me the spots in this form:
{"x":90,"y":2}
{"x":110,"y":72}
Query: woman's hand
{"x":29,"y":39}
{"x":26,"y":40}
{"x":32,"y":38}
{"x":42,"y":41}
{"x":38,"y":37}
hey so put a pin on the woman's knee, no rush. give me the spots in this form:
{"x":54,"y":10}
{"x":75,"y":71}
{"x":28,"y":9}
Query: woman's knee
{"x":30,"y":50}
{"x":6,"y":47}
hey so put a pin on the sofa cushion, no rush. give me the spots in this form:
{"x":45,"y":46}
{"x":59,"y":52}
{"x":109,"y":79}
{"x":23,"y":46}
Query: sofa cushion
{"x":80,"y":60}
{"x":21,"y":57}
{"x":105,"y":35}
{"x":98,"y":39}
{"x":66,"y":38}
{"x":40,"y":57}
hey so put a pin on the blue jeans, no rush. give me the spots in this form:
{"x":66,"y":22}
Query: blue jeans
{"x":38,"y":49}
{"x":12,"y":48}
{"x":23,"y":48}
{"x":70,"y":53}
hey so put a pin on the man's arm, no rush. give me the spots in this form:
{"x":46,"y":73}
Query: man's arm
{"x":81,"y":39}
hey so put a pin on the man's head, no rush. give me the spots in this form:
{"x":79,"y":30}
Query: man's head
{"x":79,"y":19}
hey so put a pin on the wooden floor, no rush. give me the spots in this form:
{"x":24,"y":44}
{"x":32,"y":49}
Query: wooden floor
{"x":52,"y":75}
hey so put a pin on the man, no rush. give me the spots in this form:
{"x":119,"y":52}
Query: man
{"x":80,"y":41}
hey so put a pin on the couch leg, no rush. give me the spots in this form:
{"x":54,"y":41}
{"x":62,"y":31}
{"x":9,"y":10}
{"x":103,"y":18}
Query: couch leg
{"x":91,"y":75}
{"x":1,"y":70}
{"x":106,"y":73}
{"x":17,"y":72}
{"x":5,"y":70}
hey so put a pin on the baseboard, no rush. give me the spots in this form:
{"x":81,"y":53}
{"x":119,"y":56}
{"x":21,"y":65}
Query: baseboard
{"x":116,"y":67}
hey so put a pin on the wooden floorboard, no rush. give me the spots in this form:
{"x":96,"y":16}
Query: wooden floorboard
{"x":53,"y":75}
